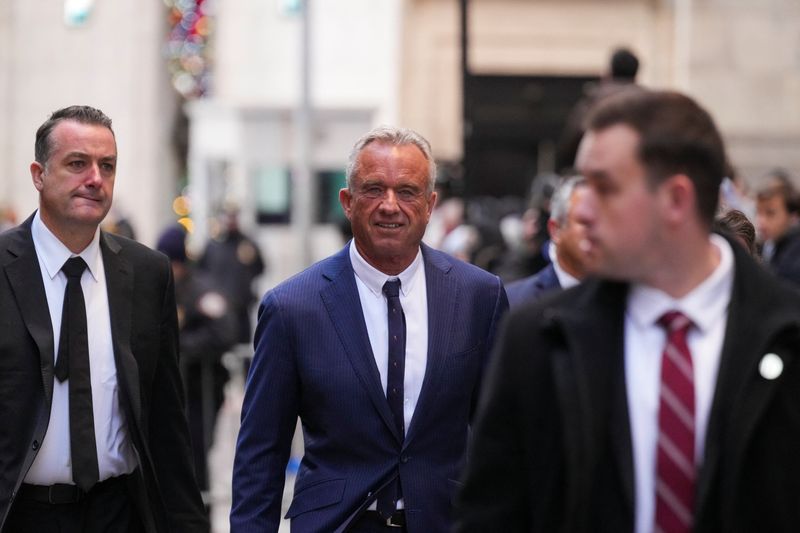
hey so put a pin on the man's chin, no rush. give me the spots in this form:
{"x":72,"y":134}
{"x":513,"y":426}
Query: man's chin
{"x":89,"y":217}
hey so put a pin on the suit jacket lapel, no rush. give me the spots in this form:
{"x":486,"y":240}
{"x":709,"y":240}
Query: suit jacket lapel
{"x":595,"y":333}
{"x":119,"y":285}
{"x":548,"y":279}
{"x":25,"y":278}
{"x":344,"y":308}
{"x":442,"y":296}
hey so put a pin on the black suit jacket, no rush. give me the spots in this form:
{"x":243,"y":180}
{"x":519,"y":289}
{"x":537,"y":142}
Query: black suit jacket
{"x":552,"y":450}
{"x":144,"y":331}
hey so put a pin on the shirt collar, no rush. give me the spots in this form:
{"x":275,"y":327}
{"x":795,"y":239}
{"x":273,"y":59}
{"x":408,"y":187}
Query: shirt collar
{"x":703,"y":305}
{"x":54,"y":253}
{"x":374,"y":278}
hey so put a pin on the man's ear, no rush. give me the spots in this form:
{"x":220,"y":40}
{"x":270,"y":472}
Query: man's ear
{"x":37,"y":175}
{"x":432,"y":199}
{"x":553,"y":229}
{"x":679,"y":198}
{"x":346,"y":198}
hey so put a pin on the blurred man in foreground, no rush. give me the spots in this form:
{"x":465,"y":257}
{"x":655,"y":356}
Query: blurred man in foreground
{"x":663,"y":395}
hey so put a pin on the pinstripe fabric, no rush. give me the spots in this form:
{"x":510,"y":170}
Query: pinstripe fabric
{"x":313,"y":359}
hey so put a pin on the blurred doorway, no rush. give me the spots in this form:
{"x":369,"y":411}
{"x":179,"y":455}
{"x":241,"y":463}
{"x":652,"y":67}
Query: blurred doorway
{"x":514,"y":127}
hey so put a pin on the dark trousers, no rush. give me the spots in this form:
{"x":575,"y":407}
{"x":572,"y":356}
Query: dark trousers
{"x":107,"y":508}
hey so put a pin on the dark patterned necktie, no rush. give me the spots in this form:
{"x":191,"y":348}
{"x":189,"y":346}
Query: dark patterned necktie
{"x":73,"y":364}
{"x":387,"y":499}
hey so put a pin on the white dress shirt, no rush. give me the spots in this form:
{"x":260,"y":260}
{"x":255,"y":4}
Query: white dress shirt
{"x":707,"y":307}
{"x":114,"y":452}
{"x":414,"y":299}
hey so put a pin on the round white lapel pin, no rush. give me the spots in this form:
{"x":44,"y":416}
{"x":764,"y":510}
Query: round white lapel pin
{"x":771,"y":366}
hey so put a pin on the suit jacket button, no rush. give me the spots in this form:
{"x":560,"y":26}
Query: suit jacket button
{"x":404,"y":459}
{"x":35,"y":445}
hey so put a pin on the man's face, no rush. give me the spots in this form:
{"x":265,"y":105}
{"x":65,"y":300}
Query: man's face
{"x":569,"y":236}
{"x":76,"y":184}
{"x":773,"y":220}
{"x":389,"y":205}
{"x":623,"y":233}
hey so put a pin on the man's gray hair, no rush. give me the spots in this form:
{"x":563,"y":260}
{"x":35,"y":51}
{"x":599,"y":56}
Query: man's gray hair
{"x":395,"y":137}
{"x":559,"y":204}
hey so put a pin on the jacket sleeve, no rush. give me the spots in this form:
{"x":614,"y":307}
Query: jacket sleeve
{"x":500,"y":306}
{"x":168,"y":430}
{"x":269,"y":417}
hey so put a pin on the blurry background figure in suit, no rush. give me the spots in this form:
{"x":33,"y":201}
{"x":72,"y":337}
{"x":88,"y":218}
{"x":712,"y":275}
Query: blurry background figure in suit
{"x":207,"y":330}
{"x":234,"y":261}
{"x":567,"y":229}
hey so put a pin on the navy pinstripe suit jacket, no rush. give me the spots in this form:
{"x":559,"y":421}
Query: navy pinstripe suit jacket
{"x":313,"y":360}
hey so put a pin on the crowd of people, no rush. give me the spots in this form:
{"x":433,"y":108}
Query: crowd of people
{"x":644,"y":378}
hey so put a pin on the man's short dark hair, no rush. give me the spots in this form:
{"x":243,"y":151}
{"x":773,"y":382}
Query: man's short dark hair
{"x":781,"y":185}
{"x":676,"y":136}
{"x":624,"y":65}
{"x":79,"y":113}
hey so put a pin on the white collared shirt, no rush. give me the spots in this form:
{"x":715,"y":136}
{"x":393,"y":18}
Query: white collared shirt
{"x":707,"y":307}
{"x":114,"y":452}
{"x":414,"y":299}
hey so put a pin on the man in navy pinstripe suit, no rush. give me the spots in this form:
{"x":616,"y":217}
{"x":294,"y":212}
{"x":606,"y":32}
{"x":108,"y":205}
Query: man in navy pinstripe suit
{"x":321,"y":353}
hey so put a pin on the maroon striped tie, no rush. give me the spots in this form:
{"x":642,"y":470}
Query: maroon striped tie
{"x":675,"y":468}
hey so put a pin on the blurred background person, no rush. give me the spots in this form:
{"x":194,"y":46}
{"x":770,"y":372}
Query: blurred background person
{"x":777,"y":215}
{"x":736,"y":223}
{"x":528,"y":251}
{"x":234,"y":261}
{"x":623,"y":65}
{"x":567,"y":230}
{"x":8,"y":218}
{"x":207,"y":329}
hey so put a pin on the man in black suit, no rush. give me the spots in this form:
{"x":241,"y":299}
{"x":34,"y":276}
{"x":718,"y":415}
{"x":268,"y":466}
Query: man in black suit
{"x":94,"y":435}
{"x":662,"y":395}
{"x":567,"y":230}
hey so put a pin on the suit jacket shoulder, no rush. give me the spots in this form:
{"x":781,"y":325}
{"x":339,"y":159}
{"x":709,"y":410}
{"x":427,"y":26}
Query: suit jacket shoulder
{"x":530,"y":288}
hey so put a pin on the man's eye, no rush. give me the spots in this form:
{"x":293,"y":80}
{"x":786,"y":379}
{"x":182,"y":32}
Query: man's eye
{"x":108,"y":167}
{"x":604,"y":189}
{"x":77,"y":164}
{"x":373,"y":192}
{"x":406,"y":194}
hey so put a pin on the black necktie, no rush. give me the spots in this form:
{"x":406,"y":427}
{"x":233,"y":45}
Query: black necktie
{"x":73,"y":363}
{"x":387,"y":499}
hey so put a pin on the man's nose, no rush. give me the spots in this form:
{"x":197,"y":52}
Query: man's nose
{"x":389,"y":200}
{"x":93,"y":176}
